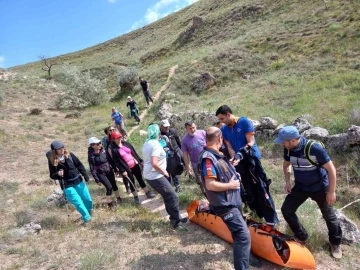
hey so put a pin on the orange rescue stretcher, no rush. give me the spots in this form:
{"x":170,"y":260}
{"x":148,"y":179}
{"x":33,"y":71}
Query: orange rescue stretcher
{"x":266,"y":242}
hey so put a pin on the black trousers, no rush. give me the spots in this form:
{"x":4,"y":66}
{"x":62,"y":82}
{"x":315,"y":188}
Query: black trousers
{"x":147,"y":96}
{"x":136,"y":171}
{"x":108,"y":180}
{"x":296,"y":198}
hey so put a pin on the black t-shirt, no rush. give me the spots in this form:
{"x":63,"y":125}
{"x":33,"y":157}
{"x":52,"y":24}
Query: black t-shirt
{"x":131,"y":104}
{"x":144,"y":85}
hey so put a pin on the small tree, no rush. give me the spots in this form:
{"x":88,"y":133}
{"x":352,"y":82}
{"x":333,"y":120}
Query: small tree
{"x":128,"y":79}
{"x":49,"y":63}
{"x":81,"y":90}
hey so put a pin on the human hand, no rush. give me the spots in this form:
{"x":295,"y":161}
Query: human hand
{"x":287,"y":188}
{"x":330,"y":198}
{"x":166,"y":174}
{"x":234,"y":184}
{"x":189,"y":171}
{"x":234,"y":161}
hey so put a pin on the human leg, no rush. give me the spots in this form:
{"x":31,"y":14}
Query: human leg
{"x":105,"y":181}
{"x":84,"y":193}
{"x":111,"y":177}
{"x":73,"y":197}
{"x":288,"y":209}
{"x":171,"y":201}
{"x":198,"y":181}
{"x":136,"y":170}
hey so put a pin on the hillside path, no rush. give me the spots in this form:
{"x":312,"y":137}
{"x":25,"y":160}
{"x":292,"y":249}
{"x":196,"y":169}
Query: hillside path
{"x":156,"y":97}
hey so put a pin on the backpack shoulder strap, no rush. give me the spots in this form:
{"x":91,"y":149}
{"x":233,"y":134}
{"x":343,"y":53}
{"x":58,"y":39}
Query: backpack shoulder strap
{"x":307,"y":149}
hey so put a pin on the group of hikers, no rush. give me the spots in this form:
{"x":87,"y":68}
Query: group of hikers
{"x":224,"y":160}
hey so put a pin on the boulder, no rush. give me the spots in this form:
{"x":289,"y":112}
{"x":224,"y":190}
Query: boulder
{"x":204,"y":81}
{"x":354,"y":135}
{"x":35,"y":111}
{"x":350,"y":232}
{"x":27,"y":229}
{"x":57,"y":198}
{"x":164,"y":111}
{"x":266,"y":132}
{"x":256,"y":124}
{"x":302,"y":124}
{"x":276,"y":131}
{"x":198,"y":22}
{"x":316,"y":133}
{"x":338,"y":142}
{"x":268,"y":123}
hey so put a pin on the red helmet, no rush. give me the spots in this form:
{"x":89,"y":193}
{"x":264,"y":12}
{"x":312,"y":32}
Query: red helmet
{"x":116,"y":135}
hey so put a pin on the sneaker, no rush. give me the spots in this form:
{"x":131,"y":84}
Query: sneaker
{"x":179,"y":226}
{"x":178,"y":189}
{"x":147,"y":106}
{"x":118,"y":200}
{"x":254,"y":261}
{"x":150,"y":194}
{"x":85,"y":223}
{"x":336,"y":251}
{"x":137,"y":200}
{"x":184,"y":220}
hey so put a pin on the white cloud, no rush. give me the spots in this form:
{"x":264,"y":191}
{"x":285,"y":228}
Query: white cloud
{"x":161,"y":9}
{"x":2,"y":60}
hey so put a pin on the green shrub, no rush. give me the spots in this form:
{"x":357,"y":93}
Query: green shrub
{"x":127,"y":80}
{"x":81,"y":90}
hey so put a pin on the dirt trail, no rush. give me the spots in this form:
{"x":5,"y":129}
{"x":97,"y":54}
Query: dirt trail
{"x":156,"y":97}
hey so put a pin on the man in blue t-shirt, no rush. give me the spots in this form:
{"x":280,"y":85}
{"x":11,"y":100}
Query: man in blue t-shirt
{"x":118,"y":119}
{"x":315,"y":180}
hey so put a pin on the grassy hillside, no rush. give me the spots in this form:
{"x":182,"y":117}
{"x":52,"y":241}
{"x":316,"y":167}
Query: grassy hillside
{"x":301,"y":57}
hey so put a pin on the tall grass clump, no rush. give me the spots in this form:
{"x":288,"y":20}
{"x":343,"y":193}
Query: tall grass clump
{"x":96,"y":260}
{"x":81,"y":90}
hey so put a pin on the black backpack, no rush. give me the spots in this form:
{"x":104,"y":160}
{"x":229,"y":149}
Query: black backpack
{"x":175,"y":163}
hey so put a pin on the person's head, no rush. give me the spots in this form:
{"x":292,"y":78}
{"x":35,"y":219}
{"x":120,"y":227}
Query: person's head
{"x":218,"y":124}
{"x":190,"y":127}
{"x":165,"y":126}
{"x":116,"y":137}
{"x":106,"y":130}
{"x":113,"y":109}
{"x":214,"y":138}
{"x":129,"y":98}
{"x":58,"y":150}
{"x":153,"y":132}
{"x":95,"y":143}
{"x":224,"y":115}
{"x":289,"y":137}
{"x":140,"y":79}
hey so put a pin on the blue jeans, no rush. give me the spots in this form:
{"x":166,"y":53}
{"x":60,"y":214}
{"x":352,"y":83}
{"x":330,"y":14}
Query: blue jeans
{"x":171,"y":200}
{"x":236,"y":224}
{"x":80,"y":197}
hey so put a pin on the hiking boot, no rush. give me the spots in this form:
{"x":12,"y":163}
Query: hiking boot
{"x":85,"y":223}
{"x":118,"y":200}
{"x":150,"y":194}
{"x":336,"y":251}
{"x":137,"y":200}
{"x":178,"y":189}
{"x":178,"y":225}
{"x":184,"y":220}
{"x":254,"y":261}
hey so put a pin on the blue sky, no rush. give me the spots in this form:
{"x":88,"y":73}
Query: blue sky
{"x":30,"y":28}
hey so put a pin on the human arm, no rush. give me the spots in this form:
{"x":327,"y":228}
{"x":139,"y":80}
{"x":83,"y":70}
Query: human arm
{"x":187,"y":163}
{"x":250,"y":138}
{"x":53,"y":171}
{"x":287,"y":174}
{"x":213,"y":185}
{"x":156,"y":166}
{"x":331,"y":195}
{"x":80,"y":167}
{"x":92,"y":169}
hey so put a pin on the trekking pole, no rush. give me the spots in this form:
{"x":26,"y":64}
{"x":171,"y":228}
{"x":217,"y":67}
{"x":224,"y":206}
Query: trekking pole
{"x":132,"y":183}
{"x":64,"y":194}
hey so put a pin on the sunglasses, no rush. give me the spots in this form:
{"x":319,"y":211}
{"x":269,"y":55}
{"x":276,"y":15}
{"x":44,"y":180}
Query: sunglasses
{"x":96,"y":144}
{"x":112,"y":129}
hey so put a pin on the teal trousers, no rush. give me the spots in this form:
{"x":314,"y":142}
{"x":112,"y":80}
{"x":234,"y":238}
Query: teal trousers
{"x":80,"y":197}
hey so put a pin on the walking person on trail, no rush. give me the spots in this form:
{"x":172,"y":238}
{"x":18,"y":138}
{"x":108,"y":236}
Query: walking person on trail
{"x":68,"y":169}
{"x":129,"y":164}
{"x":315,"y":178}
{"x":173,"y":144}
{"x":192,"y":145}
{"x":102,"y":171}
{"x":118,"y":119}
{"x":146,"y":91}
{"x":134,"y":112}
{"x":222,"y":186}
{"x":157,"y":177}
{"x":239,"y":136}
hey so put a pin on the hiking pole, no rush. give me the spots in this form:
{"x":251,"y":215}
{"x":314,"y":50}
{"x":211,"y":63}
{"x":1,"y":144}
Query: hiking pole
{"x":64,"y":194}
{"x":131,"y":183}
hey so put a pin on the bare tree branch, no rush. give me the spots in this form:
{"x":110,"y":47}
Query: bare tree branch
{"x":48,"y":63}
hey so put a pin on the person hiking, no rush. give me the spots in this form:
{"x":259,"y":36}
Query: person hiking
{"x":191,"y":145}
{"x":171,"y":138}
{"x":105,"y":139}
{"x":129,"y":163}
{"x":146,"y":91}
{"x":102,"y":171}
{"x":68,"y":169}
{"x":239,"y":136}
{"x":118,"y":119}
{"x":315,"y":180}
{"x":157,"y":177}
{"x":134,"y":112}
{"x":222,"y":186}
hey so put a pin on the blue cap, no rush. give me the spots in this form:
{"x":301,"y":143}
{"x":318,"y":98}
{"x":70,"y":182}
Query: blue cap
{"x":286,"y":134}
{"x":55,"y":145}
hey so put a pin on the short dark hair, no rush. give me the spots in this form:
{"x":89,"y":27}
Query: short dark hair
{"x":213,"y":135}
{"x":188,"y":123}
{"x":106,"y":130}
{"x":224,"y":109}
